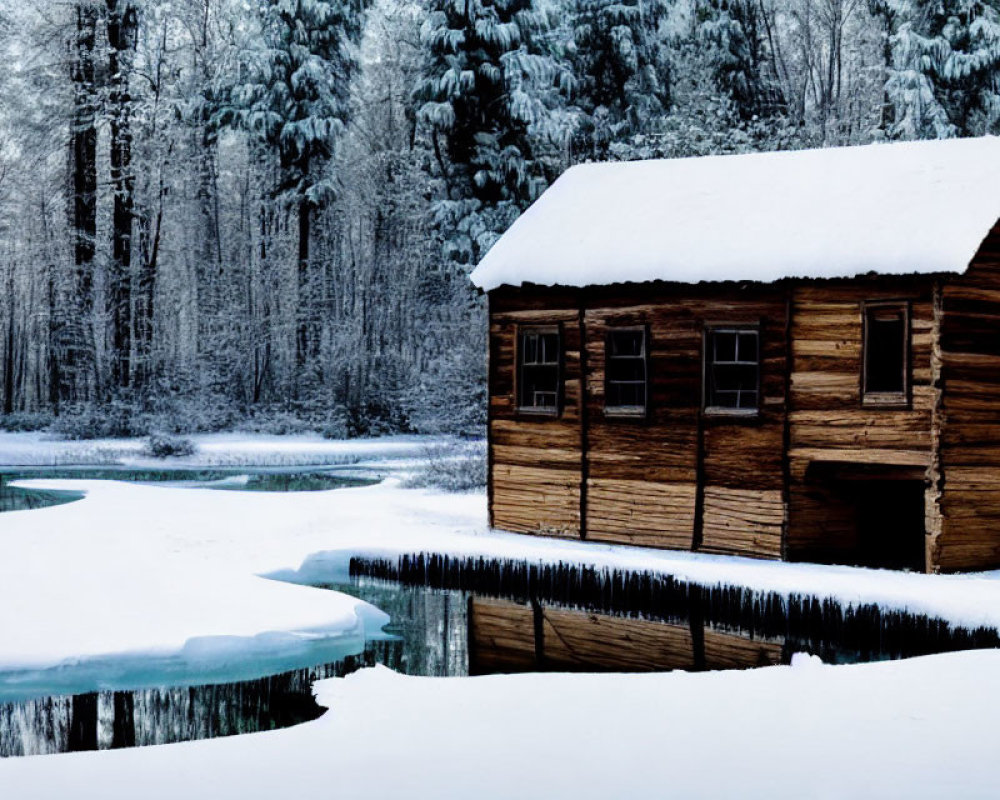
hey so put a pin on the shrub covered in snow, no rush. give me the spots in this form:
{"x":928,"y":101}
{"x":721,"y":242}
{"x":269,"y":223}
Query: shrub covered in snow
{"x":459,"y":467}
{"x":376,"y":418}
{"x":276,"y":422}
{"x":25,"y":421}
{"x":332,"y":421}
{"x":336,"y":427}
{"x":165,"y":446}
{"x":116,"y":419}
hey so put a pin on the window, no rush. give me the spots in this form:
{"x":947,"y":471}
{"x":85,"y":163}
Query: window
{"x":732,"y":370}
{"x":625,"y":386}
{"x":539,"y":377}
{"x":885,"y":365}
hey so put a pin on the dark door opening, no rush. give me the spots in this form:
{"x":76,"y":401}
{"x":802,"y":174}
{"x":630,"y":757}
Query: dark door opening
{"x":890,"y":523}
{"x":866,"y":515}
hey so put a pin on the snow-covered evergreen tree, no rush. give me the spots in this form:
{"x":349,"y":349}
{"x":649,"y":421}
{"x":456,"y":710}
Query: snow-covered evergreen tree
{"x":623,"y":76}
{"x":945,"y":73}
{"x":296,"y":100}
{"x":295,"y":96}
{"x":735,"y":33}
{"x":488,"y":99}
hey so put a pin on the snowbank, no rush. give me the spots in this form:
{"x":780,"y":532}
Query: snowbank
{"x":141,"y":584}
{"x":913,"y":207}
{"x":918,"y":728}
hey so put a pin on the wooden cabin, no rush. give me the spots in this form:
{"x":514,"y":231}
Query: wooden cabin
{"x":787,"y":355}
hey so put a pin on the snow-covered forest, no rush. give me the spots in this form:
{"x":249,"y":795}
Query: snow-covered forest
{"x":219,"y":211}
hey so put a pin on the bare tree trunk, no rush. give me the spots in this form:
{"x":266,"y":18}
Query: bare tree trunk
{"x":8,"y":364}
{"x":303,"y":327}
{"x":55,"y":338}
{"x":122,"y":23}
{"x":149,"y":232}
{"x":81,"y":357}
{"x":262,"y":338}
{"x":145,"y":303}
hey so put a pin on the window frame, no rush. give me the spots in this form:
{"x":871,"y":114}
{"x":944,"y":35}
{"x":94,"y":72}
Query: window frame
{"x":627,"y":412}
{"x":538,"y":411}
{"x":708,"y":389}
{"x":904,"y":398}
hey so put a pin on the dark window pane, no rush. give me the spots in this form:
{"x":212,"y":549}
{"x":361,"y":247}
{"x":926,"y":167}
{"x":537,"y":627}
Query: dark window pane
{"x":529,"y":349}
{"x":725,"y":346}
{"x":539,"y":371}
{"x":539,"y":386}
{"x":732,"y":373}
{"x":625,"y":370}
{"x":634,"y":394}
{"x":626,"y":394}
{"x":886,"y":352}
{"x":626,"y":343}
{"x":747,"y":347}
{"x":550,"y":348}
{"x":735,"y":377}
{"x":726,"y":399}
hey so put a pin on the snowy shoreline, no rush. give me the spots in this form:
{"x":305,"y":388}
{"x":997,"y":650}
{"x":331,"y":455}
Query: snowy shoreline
{"x":195,"y":565}
{"x":212,"y":450}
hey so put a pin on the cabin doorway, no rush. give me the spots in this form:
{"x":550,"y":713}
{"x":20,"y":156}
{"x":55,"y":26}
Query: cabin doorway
{"x":890,"y":524}
{"x":866,"y":515}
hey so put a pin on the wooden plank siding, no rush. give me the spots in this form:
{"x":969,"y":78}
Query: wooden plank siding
{"x":778,"y":484}
{"x":969,"y":536}
{"x":642,"y":475}
{"x":535,"y":461}
{"x":828,"y":423}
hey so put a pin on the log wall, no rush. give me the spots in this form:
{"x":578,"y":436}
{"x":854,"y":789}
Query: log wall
{"x":830,"y":428}
{"x":662,"y":457}
{"x":675,"y":479}
{"x":535,"y":462}
{"x":773,"y":485}
{"x":969,"y":469}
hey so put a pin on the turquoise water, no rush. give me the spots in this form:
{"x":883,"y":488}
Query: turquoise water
{"x":426,"y":637}
{"x":17,"y":499}
{"x":244,"y":480}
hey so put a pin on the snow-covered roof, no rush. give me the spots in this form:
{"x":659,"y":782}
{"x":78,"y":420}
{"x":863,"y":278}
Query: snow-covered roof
{"x":913,"y":207}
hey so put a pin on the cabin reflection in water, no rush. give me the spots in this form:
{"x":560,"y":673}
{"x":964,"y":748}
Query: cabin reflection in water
{"x":507,"y":637}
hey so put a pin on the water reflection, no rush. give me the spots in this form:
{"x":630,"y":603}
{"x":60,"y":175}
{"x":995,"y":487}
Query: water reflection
{"x":107,"y":720}
{"x":17,"y":499}
{"x":427,"y":637}
{"x":510,"y":637}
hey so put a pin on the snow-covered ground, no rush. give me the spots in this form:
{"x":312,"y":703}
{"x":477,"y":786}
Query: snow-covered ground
{"x":213,"y":450}
{"x":139,"y":583}
{"x":919,"y":728}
